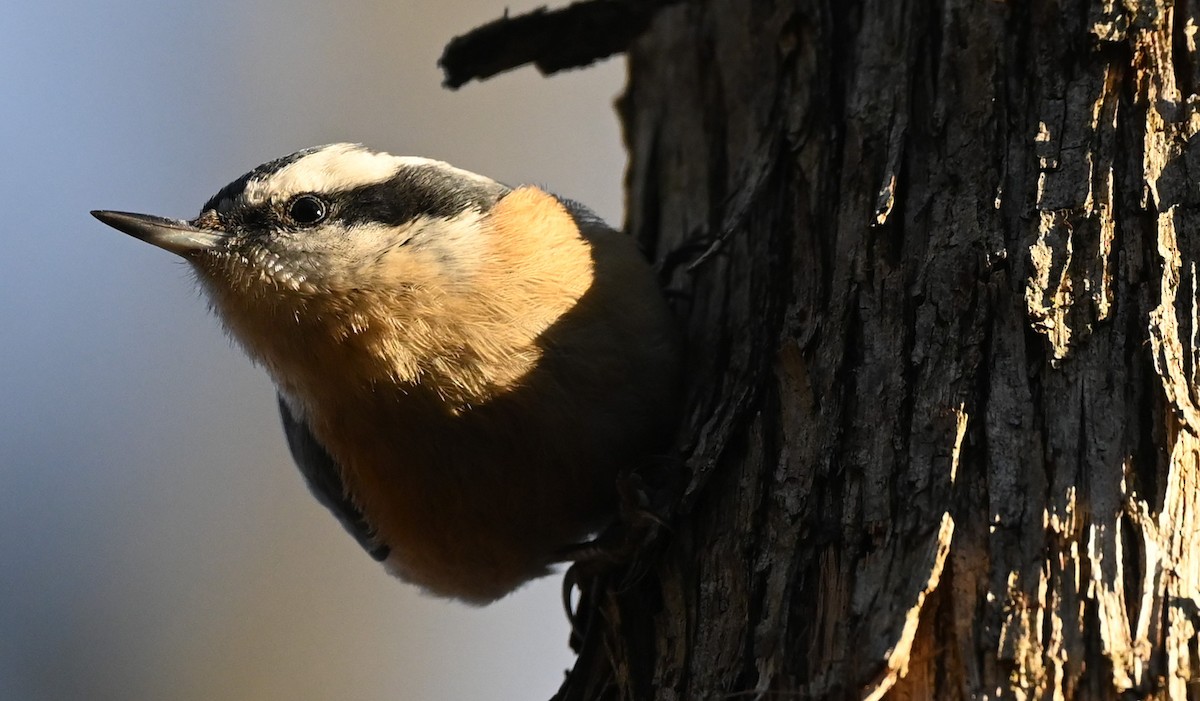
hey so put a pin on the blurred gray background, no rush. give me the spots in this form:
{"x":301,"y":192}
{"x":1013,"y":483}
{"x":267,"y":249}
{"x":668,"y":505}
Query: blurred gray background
{"x":155,"y":540}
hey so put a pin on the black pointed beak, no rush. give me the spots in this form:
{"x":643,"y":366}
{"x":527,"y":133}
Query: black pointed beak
{"x":175,"y":235}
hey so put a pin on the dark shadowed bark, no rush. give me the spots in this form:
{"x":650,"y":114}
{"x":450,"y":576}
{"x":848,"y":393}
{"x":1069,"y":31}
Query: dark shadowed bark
{"x":942,"y":434}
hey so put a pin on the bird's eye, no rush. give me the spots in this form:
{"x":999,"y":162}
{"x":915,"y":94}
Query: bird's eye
{"x":307,"y":210}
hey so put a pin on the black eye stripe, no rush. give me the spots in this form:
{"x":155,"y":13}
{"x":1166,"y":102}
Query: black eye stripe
{"x":413,"y":192}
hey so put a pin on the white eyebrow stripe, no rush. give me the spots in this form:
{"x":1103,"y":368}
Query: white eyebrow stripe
{"x":334,"y":167}
{"x":338,"y":167}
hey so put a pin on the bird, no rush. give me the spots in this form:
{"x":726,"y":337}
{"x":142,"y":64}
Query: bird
{"x":463,"y":368}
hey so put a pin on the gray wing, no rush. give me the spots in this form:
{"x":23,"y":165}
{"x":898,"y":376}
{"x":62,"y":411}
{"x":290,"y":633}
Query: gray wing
{"x":324,"y":479}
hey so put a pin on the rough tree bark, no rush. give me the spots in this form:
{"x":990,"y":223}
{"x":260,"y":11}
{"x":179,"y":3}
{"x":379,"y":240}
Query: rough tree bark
{"x":942,"y":436}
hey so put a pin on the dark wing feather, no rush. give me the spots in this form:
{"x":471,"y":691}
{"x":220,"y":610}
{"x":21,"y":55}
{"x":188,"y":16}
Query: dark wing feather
{"x":324,"y":479}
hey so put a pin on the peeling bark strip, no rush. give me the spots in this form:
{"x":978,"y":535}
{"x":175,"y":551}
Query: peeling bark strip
{"x":1173,"y":338}
{"x":1076,"y":146}
{"x":943,"y":435}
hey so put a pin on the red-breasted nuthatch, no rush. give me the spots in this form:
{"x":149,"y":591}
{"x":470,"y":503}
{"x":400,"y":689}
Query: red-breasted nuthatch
{"x":463,"y":367}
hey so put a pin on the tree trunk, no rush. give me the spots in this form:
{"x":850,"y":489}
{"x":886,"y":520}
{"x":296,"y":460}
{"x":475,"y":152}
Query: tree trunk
{"x":942,"y":433}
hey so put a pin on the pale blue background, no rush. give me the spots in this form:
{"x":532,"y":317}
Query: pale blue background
{"x":155,"y":540}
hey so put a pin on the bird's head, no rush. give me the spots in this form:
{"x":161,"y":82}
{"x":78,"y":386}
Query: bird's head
{"x":326,"y":222}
